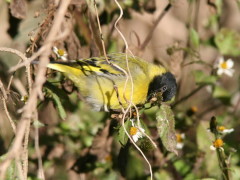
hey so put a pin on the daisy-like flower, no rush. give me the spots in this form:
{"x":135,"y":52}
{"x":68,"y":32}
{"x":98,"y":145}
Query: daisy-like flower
{"x":136,"y":132}
{"x":24,"y":99}
{"x":217,"y":144}
{"x":225,"y":67}
{"x":180,"y":138}
{"x":61,"y":54}
{"x":224,"y":130}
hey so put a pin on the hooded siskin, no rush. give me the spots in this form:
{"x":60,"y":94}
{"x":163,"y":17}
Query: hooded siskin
{"x":96,"y":79}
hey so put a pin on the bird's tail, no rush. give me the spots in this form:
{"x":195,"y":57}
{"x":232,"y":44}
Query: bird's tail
{"x":65,"y":67}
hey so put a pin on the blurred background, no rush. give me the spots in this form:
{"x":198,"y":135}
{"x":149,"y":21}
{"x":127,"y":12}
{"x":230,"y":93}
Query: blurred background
{"x":78,"y":143}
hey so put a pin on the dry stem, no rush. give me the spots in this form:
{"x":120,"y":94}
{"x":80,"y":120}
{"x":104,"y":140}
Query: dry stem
{"x":132,"y":89}
{"x":31,"y":105}
{"x":4,"y":98}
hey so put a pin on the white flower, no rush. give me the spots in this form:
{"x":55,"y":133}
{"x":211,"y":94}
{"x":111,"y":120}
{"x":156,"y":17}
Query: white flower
{"x":224,"y":130}
{"x":179,"y":145}
{"x":180,"y":139}
{"x":225,"y":67}
{"x":136,"y":132}
{"x":217,"y":144}
{"x":61,"y":54}
{"x":24,"y":99}
{"x":213,"y":148}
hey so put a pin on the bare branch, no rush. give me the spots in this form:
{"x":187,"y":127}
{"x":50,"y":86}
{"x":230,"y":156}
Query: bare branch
{"x":149,"y":36}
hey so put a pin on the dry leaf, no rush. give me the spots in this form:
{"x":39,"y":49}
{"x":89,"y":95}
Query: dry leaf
{"x":18,"y":8}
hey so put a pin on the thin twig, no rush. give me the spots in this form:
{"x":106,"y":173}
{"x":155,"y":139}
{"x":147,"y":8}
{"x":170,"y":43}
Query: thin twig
{"x":11,"y":78}
{"x":37,"y":149}
{"x":8,"y":115}
{"x":137,"y":112}
{"x":19,"y":168}
{"x":150,"y":34}
{"x":189,"y":95}
{"x":25,"y":149}
{"x":132,"y":89}
{"x":101,"y":34}
{"x":128,"y":75}
{"x":14,"y":51}
{"x":30,"y":106}
{"x":222,"y":159}
{"x":4,"y":98}
{"x":37,"y":54}
{"x":27,"y":132}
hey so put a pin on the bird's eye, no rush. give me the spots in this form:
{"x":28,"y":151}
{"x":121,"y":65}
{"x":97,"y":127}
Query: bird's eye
{"x":163,"y":89}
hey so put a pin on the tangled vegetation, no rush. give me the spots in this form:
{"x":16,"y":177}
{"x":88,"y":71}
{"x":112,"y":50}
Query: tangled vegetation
{"x":47,"y":131}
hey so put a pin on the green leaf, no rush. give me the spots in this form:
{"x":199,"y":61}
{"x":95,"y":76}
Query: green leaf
{"x":166,"y":127}
{"x":161,"y":174}
{"x":182,"y":167}
{"x":202,"y":78}
{"x":57,"y":96}
{"x":194,"y":38}
{"x":59,"y":106}
{"x":38,"y":124}
{"x":147,"y":105}
{"x":228,"y":42}
{"x":220,"y":92}
{"x":122,"y":136}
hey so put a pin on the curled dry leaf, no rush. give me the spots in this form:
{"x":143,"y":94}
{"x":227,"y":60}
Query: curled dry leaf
{"x":18,"y":8}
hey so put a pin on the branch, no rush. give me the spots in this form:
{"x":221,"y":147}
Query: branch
{"x":31,"y":105}
{"x":150,"y":34}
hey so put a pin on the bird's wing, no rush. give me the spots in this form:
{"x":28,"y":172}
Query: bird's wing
{"x":115,"y":65}
{"x":100,"y":67}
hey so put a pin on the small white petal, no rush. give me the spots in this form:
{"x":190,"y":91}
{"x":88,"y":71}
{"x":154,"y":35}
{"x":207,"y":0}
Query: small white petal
{"x":142,"y":130}
{"x":220,"y":71}
{"x":132,"y":121}
{"x":229,"y":72}
{"x":55,"y":50}
{"x":228,"y":130}
{"x":219,"y":62}
{"x":139,"y":134}
{"x":212,"y":148}
{"x":221,"y":148}
{"x":183,"y":136}
{"x":179,"y":145}
{"x":135,"y":138}
{"x":230,"y":63}
{"x":63,"y":58}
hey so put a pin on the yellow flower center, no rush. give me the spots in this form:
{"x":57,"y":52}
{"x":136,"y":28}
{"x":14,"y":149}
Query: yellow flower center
{"x":61,"y":52}
{"x":218,"y":143}
{"x":24,"y":98}
{"x":133,"y":131}
{"x":224,"y":65}
{"x":179,"y":138}
{"x":108,"y":158}
{"x":194,"y":108}
{"x":221,"y":128}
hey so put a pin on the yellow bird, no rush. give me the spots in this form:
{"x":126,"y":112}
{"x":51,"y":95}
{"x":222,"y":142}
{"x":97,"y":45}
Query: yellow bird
{"x":96,"y":80}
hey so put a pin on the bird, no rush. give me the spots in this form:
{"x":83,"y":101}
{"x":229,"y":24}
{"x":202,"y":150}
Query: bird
{"x":103,"y":84}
